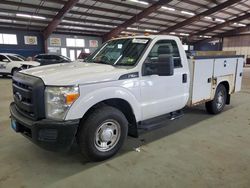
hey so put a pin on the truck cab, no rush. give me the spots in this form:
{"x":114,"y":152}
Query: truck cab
{"x":122,"y":86}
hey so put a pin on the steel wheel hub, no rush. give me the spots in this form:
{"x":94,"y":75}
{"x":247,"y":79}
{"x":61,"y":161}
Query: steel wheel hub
{"x":220,"y":100}
{"x":107,"y":135}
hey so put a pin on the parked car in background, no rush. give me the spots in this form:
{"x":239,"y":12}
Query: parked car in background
{"x":49,"y":59}
{"x":82,"y":56}
{"x":11,"y":63}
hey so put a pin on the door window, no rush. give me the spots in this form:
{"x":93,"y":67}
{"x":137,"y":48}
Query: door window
{"x":14,"y":58}
{"x":165,"y":47}
{"x":55,"y":57}
{"x":3,"y":58}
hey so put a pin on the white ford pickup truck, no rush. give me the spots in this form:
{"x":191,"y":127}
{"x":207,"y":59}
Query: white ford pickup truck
{"x":123,"y":86}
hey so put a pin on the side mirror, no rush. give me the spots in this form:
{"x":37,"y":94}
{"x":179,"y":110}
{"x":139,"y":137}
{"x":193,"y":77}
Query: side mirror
{"x":163,"y":67}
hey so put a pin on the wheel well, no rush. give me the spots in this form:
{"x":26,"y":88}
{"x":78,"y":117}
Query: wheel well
{"x":226,"y":85}
{"x":12,"y":70}
{"x":124,"y":107}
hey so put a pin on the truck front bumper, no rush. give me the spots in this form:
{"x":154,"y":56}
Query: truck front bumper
{"x":48,"y":134}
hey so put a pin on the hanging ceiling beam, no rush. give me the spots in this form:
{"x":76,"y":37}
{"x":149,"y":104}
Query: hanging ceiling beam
{"x":225,"y":24}
{"x":201,"y":15}
{"x":144,"y":13}
{"x":58,"y":18}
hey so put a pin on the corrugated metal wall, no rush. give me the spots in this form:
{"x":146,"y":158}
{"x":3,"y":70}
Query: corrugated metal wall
{"x":240,"y":44}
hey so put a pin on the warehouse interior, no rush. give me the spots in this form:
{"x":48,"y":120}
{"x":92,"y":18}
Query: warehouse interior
{"x":196,"y":150}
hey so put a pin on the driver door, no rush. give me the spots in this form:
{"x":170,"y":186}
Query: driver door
{"x":163,"y":94}
{"x":3,"y":64}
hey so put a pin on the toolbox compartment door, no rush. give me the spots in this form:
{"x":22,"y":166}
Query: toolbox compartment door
{"x":202,"y":80}
{"x":239,"y":74}
{"x":224,"y":66}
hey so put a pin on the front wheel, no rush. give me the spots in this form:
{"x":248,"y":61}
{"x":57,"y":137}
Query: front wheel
{"x":14,"y":70}
{"x":218,"y":103}
{"x":103,"y":133}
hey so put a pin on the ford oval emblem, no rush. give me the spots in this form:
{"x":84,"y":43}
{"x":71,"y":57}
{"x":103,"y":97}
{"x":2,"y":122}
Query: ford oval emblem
{"x":18,"y":96}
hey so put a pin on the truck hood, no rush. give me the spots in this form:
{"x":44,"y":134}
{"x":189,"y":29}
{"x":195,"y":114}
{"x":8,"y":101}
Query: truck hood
{"x":76,"y":73}
{"x":32,"y":63}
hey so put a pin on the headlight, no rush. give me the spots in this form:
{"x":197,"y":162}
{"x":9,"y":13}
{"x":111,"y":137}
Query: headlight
{"x":58,"y":101}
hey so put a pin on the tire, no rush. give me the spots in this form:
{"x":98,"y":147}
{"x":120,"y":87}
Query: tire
{"x":14,"y":70}
{"x":218,"y":103}
{"x":102,"y":134}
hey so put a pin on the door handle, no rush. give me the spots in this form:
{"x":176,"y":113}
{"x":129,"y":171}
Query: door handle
{"x":225,"y":63}
{"x":184,"y":78}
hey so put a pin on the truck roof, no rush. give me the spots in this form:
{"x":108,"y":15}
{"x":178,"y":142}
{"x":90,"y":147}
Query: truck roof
{"x":149,"y":36}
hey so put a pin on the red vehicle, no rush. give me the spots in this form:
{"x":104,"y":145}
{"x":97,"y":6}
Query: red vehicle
{"x":82,"y":56}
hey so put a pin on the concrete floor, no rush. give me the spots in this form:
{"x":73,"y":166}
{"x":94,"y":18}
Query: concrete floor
{"x":199,"y":150}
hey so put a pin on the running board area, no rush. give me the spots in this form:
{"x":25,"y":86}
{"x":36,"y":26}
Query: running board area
{"x":160,"y":121}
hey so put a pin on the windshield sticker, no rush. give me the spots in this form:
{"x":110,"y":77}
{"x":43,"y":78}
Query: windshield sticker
{"x":119,"y":46}
{"x":140,"y":41}
{"x":110,"y":46}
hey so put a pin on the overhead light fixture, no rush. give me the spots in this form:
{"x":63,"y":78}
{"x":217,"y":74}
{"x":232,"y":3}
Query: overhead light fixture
{"x":30,"y":16}
{"x":132,"y":28}
{"x":240,"y":24}
{"x":168,"y":8}
{"x":172,"y":33}
{"x":208,"y":17}
{"x":23,"y":15}
{"x":188,"y":13}
{"x":38,"y":17}
{"x":151,"y":30}
{"x":8,"y":21}
{"x":243,"y":25}
{"x":219,"y":20}
{"x":205,"y":36}
{"x":103,"y":25}
{"x":184,"y":34}
{"x":126,"y":33}
{"x":141,"y":2}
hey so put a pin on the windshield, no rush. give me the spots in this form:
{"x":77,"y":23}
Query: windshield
{"x":20,"y":57}
{"x":124,"y":52}
{"x":14,"y":58}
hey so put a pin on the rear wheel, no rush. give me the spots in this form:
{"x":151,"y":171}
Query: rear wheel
{"x":218,"y":103}
{"x":103,"y":133}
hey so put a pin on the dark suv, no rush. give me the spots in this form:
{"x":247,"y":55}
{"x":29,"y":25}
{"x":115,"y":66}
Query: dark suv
{"x":49,"y":59}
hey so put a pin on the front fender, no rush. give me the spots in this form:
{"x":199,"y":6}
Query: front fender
{"x":10,"y":66}
{"x":85,"y":102}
